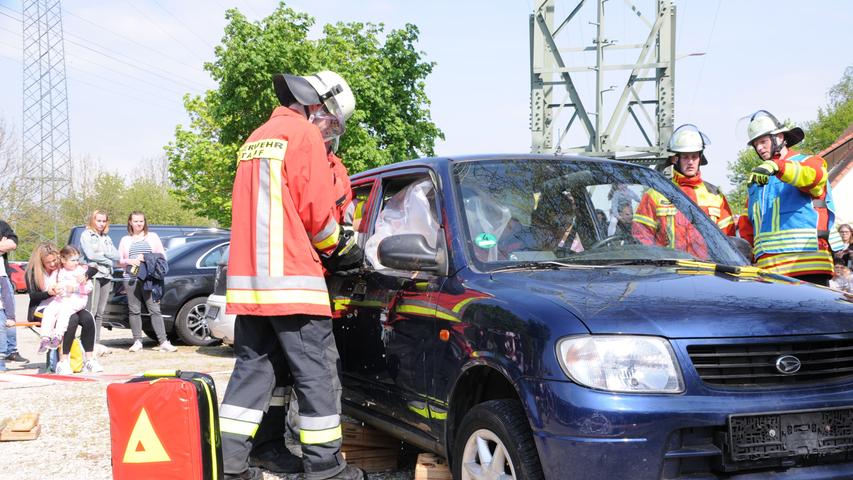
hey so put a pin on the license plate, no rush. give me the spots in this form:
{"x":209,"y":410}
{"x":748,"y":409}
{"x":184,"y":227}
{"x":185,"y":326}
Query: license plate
{"x":212,"y":312}
{"x":790,"y":434}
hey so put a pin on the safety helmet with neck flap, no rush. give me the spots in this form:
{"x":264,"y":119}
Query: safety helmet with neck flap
{"x":687,"y":139}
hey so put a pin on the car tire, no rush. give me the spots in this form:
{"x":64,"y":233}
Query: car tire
{"x":503,"y":426}
{"x":190,"y":325}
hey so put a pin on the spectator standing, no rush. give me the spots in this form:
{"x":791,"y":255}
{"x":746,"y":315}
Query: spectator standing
{"x":132,"y":249}
{"x":44,"y":261}
{"x":9,"y":347}
{"x":98,"y":251}
{"x":842,"y":255}
{"x":843,"y":280}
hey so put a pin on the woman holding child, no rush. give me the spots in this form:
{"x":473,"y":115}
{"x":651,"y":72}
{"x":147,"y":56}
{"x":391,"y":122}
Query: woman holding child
{"x":44,"y":289}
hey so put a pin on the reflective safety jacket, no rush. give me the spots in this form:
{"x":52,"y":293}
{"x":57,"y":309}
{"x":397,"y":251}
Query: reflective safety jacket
{"x":283,"y":213}
{"x":709,"y":198}
{"x":343,"y":192}
{"x":791,"y":216}
{"x":657,"y":221}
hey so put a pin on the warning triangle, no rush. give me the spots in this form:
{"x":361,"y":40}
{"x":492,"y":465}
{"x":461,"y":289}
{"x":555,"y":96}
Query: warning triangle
{"x":144,"y":446}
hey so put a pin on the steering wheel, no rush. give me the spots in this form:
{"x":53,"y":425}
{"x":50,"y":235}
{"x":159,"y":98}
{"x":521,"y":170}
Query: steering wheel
{"x":612,"y":239}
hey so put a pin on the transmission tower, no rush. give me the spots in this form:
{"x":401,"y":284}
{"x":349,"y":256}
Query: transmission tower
{"x":557,"y":102}
{"x":46,"y":135}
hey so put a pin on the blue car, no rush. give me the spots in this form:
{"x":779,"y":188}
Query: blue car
{"x":509,"y":317}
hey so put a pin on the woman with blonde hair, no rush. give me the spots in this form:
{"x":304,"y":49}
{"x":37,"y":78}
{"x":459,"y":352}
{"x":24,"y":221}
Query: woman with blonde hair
{"x":98,"y":251}
{"x":44,"y":261}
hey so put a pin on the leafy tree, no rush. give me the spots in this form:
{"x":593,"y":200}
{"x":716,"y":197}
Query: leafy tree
{"x":386,"y":72}
{"x":833,"y":119}
{"x":739,"y":171}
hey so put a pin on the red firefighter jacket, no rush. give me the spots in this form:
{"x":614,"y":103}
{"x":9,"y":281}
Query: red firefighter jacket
{"x":283,"y":213}
{"x":657,"y":221}
{"x":343,"y":192}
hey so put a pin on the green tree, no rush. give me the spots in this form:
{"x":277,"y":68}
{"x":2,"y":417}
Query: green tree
{"x":739,"y":171}
{"x":386,"y":72}
{"x":833,"y":119}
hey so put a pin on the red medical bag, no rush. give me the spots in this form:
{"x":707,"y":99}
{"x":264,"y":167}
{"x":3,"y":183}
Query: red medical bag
{"x":165,"y":425}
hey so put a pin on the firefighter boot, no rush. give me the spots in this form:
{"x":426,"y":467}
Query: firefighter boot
{"x":349,"y":473}
{"x":251,"y":474}
{"x":277,"y":460}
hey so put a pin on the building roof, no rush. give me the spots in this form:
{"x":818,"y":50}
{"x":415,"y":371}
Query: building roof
{"x":839,"y":157}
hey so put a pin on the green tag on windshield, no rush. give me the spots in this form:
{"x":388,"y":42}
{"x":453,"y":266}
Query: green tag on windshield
{"x":485,"y":241}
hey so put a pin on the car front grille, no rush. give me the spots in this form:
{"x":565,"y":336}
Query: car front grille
{"x":765,"y":364}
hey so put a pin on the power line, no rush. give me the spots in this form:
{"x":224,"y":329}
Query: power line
{"x":156,"y":88}
{"x":145,"y":67}
{"x":702,"y":65}
{"x":160,"y":27}
{"x":187,"y":27}
{"x":180,"y":62}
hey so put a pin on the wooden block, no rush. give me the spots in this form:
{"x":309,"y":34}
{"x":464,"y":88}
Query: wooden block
{"x":362,"y":435}
{"x":356,"y":453}
{"x":374,"y":465}
{"x":4,"y":422}
{"x":24,"y":422}
{"x":9,"y":435}
{"x":432,"y":467}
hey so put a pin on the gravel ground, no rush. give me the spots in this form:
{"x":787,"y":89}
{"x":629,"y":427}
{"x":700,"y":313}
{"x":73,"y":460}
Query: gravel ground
{"x":75,"y":436}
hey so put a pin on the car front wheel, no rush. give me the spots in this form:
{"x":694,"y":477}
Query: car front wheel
{"x":190,"y":324}
{"x":495,"y":443}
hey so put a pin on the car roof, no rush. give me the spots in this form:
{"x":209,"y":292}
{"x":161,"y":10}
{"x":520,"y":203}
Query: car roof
{"x":435,"y":161}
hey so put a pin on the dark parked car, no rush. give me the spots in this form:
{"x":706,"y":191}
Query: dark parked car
{"x":496,"y":323}
{"x":170,"y":235}
{"x":192,"y":267}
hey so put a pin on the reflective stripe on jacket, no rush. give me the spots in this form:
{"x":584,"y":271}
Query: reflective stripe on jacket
{"x":709,"y":198}
{"x":658,"y":222}
{"x":783,"y":212}
{"x":283,"y":213}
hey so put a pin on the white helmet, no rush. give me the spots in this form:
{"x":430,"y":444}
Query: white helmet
{"x":331,"y":87}
{"x":763,"y":123}
{"x":686,"y":139}
{"x":323,"y":88}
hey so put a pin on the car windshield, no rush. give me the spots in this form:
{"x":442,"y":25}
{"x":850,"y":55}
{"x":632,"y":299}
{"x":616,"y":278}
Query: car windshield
{"x":579,"y":211}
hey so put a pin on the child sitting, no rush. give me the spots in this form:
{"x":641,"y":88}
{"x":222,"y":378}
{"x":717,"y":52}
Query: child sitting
{"x":75,"y":287}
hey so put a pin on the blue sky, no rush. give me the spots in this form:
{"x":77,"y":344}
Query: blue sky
{"x":125,"y":101}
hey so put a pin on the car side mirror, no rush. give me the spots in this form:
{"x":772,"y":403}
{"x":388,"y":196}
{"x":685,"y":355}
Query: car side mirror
{"x":741,"y":246}
{"x":410,"y":251}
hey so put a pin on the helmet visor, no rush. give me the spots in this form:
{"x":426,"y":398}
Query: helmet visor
{"x":330,"y":122}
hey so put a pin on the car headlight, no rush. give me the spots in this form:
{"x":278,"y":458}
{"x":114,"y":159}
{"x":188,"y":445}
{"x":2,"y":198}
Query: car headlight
{"x":621,"y":363}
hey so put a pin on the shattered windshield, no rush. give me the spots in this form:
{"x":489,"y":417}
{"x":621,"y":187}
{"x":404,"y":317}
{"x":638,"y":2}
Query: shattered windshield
{"x":580,"y":211}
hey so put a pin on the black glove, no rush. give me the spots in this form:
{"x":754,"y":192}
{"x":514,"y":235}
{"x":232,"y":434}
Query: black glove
{"x":347,"y":257}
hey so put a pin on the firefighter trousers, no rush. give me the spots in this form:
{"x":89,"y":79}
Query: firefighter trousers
{"x":273,"y":353}
{"x":283,"y":413}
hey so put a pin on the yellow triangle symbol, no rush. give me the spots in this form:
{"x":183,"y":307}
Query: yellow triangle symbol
{"x":143,"y":446}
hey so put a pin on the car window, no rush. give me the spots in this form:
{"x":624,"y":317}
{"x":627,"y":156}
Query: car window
{"x":211,"y":259}
{"x":408,"y":206}
{"x":582,"y":212}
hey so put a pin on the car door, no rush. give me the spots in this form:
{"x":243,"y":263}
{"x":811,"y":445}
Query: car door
{"x":386,"y":317}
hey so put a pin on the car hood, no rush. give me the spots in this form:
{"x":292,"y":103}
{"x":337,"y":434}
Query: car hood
{"x":665,"y":302}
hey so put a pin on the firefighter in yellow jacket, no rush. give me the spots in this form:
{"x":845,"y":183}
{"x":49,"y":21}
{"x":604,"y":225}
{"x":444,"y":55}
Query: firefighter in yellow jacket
{"x":657,"y":221}
{"x":284,"y":221}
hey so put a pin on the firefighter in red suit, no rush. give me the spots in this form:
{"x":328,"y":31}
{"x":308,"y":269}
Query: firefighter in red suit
{"x":657,"y":221}
{"x":284,"y":229}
